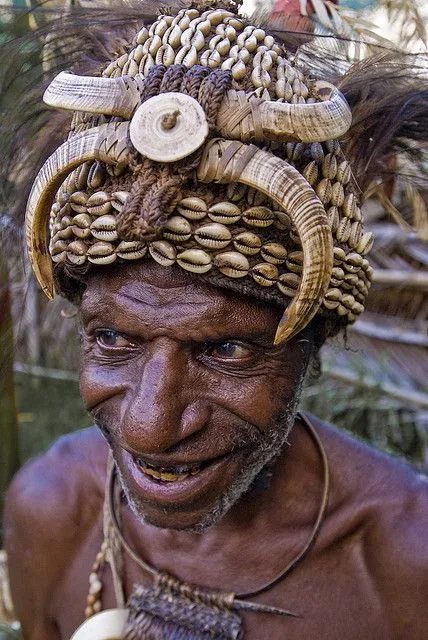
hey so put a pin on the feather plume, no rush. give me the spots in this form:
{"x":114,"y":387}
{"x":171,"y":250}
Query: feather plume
{"x":389,"y":100}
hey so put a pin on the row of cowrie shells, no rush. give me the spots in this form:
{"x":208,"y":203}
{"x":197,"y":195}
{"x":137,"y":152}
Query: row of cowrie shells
{"x":102,"y":252}
{"x":344,"y":304}
{"x":167,"y":32}
{"x":180,"y":41}
{"x":214,"y":235}
{"x":290,"y":85}
{"x":329,"y":168}
{"x":230,"y":263}
{"x":99,"y":205}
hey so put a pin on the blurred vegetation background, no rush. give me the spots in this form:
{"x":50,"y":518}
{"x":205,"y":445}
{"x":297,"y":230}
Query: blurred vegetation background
{"x":374,"y":384}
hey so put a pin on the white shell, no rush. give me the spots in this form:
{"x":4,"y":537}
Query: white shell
{"x":274,"y":252}
{"x":213,"y":236}
{"x":192,"y":208}
{"x":152,"y":139}
{"x":132,"y":250}
{"x":248,"y":243}
{"x":194,"y":260}
{"x":265,"y":274}
{"x":224,"y":213}
{"x":101,"y":253}
{"x":232,"y":264}
{"x":107,"y":625}
{"x":162,"y":252}
{"x":258,"y":217}
{"x":104,"y":228}
{"x":177,"y":229}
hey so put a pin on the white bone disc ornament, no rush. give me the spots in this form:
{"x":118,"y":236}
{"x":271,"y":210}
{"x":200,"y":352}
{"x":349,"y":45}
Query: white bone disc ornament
{"x":107,"y":625}
{"x":168,"y":127}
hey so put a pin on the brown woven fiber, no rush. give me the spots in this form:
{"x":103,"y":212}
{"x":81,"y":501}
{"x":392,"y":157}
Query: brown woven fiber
{"x":155,"y":191}
{"x":164,"y":612}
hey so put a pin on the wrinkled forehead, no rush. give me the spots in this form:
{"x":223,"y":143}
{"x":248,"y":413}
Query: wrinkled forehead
{"x":148,"y":294}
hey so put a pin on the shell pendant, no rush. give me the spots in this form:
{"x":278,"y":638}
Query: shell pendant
{"x":107,"y":625}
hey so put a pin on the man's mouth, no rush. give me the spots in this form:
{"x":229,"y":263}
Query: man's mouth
{"x":164,"y":483}
{"x":169,"y":474}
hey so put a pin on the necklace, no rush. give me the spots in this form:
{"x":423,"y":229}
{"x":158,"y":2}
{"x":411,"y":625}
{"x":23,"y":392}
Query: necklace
{"x":171,"y":608}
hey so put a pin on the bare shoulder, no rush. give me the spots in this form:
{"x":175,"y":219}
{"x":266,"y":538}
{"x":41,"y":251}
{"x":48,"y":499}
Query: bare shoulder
{"x":383,"y":502}
{"x":49,"y":488}
{"x":390,"y":494}
{"x":50,"y":506}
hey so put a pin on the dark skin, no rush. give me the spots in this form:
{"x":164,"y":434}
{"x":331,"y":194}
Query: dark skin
{"x":172,"y":372}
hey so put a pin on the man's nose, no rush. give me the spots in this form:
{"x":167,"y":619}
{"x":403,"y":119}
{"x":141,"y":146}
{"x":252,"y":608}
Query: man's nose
{"x":159,"y":410}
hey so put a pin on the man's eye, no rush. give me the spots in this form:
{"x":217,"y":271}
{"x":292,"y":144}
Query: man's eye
{"x":108,"y":338}
{"x":230,"y":351}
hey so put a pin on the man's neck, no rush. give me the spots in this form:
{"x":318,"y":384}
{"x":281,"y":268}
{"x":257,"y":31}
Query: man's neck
{"x":282,"y":514}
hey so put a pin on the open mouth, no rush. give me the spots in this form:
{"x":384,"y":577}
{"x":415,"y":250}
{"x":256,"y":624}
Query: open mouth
{"x":170,"y":474}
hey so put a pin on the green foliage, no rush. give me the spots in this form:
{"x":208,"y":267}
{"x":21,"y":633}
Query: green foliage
{"x":47,"y":409}
{"x":9,"y":633}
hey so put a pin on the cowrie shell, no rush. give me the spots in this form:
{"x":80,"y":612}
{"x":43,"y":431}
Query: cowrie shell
{"x":343,"y":173}
{"x":142,"y":35}
{"x":213,"y":236}
{"x":258,"y":217}
{"x":98,"y":198}
{"x":274,"y":253}
{"x":343,"y":230}
{"x":131,"y":250}
{"x":349,"y":206}
{"x":174,"y":37}
{"x":76,"y":252}
{"x":339,"y":254}
{"x":310,"y":172}
{"x":224,"y":213}
{"x":192,"y":208}
{"x":247,"y":243}
{"x":177,"y":229}
{"x":232,"y":264}
{"x":265,"y":274}
{"x":162,"y":252}
{"x":324,"y":190}
{"x":288,"y":283}
{"x":119,"y":199}
{"x":210,"y":59}
{"x":194,"y":260}
{"x":365,"y":243}
{"x":104,"y":228}
{"x":337,"y":195}
{"x":294,"y":261}
{"x":329,"y":166}
{"x":101,"y":253}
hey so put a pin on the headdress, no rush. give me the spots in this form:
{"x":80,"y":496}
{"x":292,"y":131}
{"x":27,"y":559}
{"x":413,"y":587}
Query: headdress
{"x":205,"y":144}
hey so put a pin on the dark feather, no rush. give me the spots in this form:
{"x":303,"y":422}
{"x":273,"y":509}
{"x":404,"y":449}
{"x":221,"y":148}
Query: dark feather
{"x":388,"y":95}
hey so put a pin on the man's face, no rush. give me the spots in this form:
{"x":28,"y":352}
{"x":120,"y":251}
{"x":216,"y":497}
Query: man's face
{"x":185,"y":382}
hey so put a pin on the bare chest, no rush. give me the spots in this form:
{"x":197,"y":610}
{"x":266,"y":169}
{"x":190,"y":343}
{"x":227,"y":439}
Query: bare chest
{"x":330,"y":594}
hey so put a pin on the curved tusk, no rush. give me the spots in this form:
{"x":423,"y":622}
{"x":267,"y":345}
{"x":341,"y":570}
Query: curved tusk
{"x":107,"y":143}
{"x":108,"y":96}
{"x":246,"y":118}
{"x":225,"y":161}
{"x":241,"y":117}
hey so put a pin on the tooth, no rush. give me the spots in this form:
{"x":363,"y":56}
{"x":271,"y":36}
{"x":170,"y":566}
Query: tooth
{"x":172,"y":477}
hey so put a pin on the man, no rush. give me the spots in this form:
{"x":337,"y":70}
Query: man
{"x":184,"y":219}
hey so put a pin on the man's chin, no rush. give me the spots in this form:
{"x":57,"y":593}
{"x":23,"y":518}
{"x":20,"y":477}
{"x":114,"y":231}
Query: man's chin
{"x":201,"y":512}
{"x":197,"y":501}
